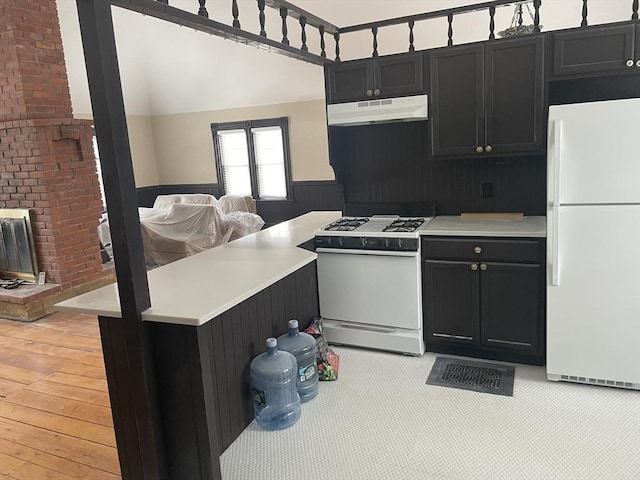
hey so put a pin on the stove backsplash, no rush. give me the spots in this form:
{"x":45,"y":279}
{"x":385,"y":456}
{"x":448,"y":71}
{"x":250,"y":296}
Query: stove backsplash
{"x":386,"y":169}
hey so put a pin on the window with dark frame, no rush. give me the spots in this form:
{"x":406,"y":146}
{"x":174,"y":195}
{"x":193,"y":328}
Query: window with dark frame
{"x":252,"y":158}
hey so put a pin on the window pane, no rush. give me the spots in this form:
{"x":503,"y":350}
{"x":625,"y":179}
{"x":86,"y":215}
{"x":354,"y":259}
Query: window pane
{"x":235,"y":162}
{"x":269,"y":153}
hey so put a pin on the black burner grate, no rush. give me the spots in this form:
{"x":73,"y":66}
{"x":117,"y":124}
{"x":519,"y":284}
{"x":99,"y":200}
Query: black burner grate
{"x":404,"y":225}
{"x":346,"y":224}
{"x":475,"y":376}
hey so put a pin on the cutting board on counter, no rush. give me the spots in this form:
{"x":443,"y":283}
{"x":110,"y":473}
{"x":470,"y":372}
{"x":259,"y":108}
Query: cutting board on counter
{"x":494,"y":216}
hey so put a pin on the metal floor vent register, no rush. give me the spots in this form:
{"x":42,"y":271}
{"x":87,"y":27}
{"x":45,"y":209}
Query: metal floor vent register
{"x":476,"y":376}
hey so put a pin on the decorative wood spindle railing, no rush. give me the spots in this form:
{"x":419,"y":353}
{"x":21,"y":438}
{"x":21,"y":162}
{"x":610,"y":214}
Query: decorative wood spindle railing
{"x":235,"y":12}
{"x":412,"y":48}
{"x":303,"y":34}
{"x":536,"y":16}
{"x":202,"y":11}
{"x":161,"y":9}
{"x":261,"y":17}
{"x":374,"y":32}
{"x":323,"y":53}
{"x":492,"y":22}
{"x":199,"y":19}
{"x":283,"y":15}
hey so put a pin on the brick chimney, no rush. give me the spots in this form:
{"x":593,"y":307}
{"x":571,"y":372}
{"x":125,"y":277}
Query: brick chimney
{"x":46,"y":157}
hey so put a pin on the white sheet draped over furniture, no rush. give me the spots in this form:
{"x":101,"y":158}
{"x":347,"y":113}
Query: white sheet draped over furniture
{"x":181,"y":225}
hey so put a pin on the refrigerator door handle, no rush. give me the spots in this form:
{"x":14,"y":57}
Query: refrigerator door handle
{"x":555,"y":162}
{"x":555,"y":261}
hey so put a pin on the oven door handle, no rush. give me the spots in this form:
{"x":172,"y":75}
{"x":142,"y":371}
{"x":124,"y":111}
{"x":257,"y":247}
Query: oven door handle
{"x":380,"y":253}
{"x":372,"y":328}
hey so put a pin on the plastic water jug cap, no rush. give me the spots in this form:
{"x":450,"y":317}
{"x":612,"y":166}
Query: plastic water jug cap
{"x":272,"y":342}
{"x":293,"y":324}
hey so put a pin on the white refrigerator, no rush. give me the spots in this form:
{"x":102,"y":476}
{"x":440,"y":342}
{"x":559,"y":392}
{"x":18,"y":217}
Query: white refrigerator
{"x":593,"y":243}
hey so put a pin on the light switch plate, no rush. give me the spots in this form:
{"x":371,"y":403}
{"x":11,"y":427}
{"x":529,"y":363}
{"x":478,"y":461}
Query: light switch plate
{"x":41,"y":278}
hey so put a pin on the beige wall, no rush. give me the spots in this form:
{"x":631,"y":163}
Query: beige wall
{"x":142,"y":149}
{"x":184,"y":145}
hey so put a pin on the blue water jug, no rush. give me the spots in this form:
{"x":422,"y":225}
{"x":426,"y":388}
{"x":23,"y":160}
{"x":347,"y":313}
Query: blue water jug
{"x":303,"y":347}
{"x":276,"y":403}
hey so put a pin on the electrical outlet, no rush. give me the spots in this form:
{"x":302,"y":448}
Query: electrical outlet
{"x":487,"y":189}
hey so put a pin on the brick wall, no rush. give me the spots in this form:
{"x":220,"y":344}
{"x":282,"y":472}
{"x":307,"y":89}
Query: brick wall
{"x":46,"y":157}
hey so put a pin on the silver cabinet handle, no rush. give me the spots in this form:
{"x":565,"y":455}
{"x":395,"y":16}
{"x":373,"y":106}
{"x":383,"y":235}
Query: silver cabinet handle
{"x":376,"y":91}
{"x":477,"y":250}
{"x":369,"y":93}
{"x":629,"y":63}
{"x":638,"y":63}
{"x":474,"y":266}
{"x":488,"y":149}
{"x":483,"y":266}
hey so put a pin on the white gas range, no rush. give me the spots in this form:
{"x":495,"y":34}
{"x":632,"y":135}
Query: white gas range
{"x":369,"y":282}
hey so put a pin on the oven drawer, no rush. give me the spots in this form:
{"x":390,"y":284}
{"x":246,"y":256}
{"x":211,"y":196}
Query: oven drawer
{"x":481,"y":249}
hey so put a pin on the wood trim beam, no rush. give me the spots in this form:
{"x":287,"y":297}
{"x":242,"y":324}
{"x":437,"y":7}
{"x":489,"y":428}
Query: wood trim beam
{"x":171,"y":14}
{"x":103,"y":73}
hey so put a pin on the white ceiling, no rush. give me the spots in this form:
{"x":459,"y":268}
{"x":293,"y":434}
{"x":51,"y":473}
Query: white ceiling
{"x":169,"y":69}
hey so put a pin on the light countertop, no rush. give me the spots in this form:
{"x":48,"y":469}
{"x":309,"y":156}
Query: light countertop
{"x":193,"y":290}
{"x":486,"y":227}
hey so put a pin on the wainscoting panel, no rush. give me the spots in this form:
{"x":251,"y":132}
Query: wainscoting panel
{"x":307,"y":196}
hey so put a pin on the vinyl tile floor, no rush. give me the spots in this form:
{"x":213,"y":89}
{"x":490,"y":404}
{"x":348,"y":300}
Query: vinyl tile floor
{"x":380,"y":421}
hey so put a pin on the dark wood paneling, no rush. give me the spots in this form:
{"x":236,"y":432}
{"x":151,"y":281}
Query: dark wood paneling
{"x":203,"y":372}
{"x":389,"y":163}
{"x":307,"y":197}
{"x":594,"y":89}
{"x":188,"y":408}
{"x":136,"y":413}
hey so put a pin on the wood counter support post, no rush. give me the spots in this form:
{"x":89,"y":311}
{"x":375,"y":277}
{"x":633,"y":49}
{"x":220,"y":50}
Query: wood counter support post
{"x":128,"y":357}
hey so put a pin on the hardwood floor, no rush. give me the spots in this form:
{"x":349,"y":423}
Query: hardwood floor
{"x":55,"y":418}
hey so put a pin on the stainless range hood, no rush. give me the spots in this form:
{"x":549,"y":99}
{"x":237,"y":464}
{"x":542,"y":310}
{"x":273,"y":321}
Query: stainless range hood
{"x":401,"y":109}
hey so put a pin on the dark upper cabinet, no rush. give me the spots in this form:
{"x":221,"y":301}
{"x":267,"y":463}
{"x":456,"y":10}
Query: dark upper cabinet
{"x":457,"y":100}
{"x":384,"y":77}
{"x":484,"y":295}
{"x":487,"y":99}
{"x":597,"y":50}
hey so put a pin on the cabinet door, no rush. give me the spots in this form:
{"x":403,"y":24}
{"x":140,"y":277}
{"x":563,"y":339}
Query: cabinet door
{"x":510,"y":306}
{"x":400,"y":75}
{"x":450,"y":302}
{"x":457,"y":100}
{"x":514,"y":95}
{"x":594,"y":50}
{"x":349,"y":81}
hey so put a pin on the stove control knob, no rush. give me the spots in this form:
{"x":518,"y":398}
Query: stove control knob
{"x":386,"y":243}
{"x":363,"y":242}
{"x":340,"y":241}
{"x":399,"y":243}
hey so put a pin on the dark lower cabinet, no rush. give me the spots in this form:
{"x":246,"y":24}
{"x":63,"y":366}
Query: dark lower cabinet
{"x":451,"y":297}
{"x":510,"y":306}
{"x":593,"y":51}
{"x":480,"y":305}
